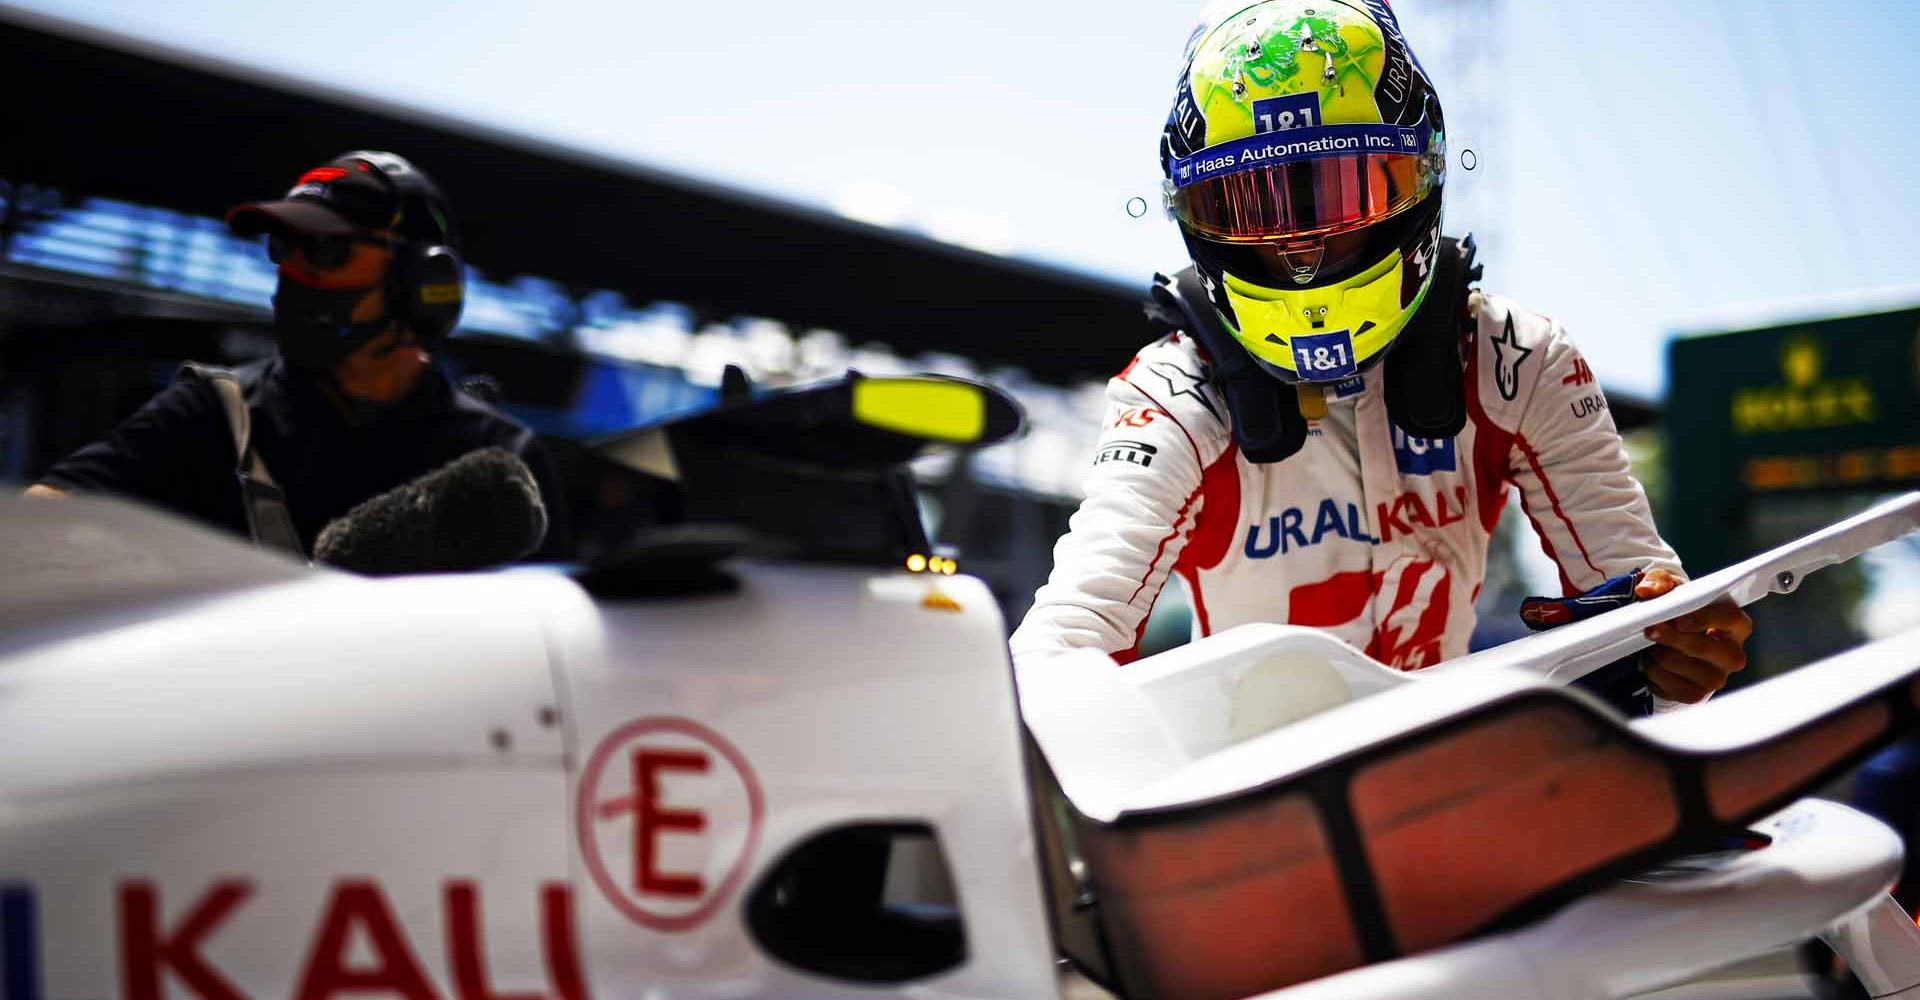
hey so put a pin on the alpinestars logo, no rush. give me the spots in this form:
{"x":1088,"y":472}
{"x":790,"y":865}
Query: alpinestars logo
{"x":1507,"y":357}
{"x":1181,"y":382}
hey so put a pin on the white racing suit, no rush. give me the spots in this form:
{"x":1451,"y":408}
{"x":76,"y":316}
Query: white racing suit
{"x":1375,"y":536}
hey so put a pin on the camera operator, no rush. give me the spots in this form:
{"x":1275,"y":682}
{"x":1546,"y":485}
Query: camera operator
{"x":352,"y":404}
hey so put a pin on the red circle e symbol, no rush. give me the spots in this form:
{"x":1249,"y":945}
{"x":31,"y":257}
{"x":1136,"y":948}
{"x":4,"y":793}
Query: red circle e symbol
{"x":668,"y":814}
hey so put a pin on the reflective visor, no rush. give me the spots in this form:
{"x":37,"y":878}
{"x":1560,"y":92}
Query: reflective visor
{"x":1303,"y":198}
{"x":1314,"y":261}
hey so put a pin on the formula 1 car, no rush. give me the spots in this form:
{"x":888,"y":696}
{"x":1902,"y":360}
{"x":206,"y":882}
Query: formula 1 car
{"x":779,"y":750}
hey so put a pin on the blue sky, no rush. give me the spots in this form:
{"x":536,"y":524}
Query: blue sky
{"x":1659,"y":166}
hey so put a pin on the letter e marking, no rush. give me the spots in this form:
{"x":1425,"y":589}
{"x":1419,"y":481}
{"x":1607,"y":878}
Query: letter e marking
{"x":652,"y":803}
{"x":654,"y":819}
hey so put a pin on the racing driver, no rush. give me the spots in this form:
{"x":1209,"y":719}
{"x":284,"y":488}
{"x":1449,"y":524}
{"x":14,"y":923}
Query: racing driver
{"x":1327,"y":431}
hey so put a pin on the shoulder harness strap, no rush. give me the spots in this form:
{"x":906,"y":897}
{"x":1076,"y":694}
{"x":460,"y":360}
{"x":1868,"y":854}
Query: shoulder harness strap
{"x":266,"y":503}
{"x":1426,"y":390}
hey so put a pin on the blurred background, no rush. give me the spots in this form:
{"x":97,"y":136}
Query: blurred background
{"x":1712,"y":196}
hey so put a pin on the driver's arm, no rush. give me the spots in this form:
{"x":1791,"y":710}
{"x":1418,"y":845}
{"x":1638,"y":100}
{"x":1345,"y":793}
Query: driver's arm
{"x":1142,"y":499}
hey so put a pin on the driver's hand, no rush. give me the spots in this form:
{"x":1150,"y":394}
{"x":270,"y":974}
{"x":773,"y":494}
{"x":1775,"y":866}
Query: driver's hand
{"x":1695,"y":653}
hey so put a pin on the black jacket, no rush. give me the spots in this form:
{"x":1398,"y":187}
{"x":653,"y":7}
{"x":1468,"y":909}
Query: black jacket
{"x":176,"y":451}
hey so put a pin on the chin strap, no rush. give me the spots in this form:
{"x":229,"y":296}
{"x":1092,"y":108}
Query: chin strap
{"x":1426,"y":394}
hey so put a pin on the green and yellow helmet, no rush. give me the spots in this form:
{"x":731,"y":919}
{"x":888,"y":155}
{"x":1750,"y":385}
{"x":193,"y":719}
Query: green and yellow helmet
{"x":1305,"y":159}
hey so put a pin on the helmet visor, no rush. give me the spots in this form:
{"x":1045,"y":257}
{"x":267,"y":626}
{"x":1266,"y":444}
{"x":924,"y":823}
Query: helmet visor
{"x":1315,"y":261}
{"x":1304,"y":198}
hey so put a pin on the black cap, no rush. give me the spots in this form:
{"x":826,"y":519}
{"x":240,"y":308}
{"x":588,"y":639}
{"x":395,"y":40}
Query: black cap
{"x":346,"y":195}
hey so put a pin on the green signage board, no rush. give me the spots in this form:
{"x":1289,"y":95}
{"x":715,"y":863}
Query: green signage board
{"x":1824,"y":405}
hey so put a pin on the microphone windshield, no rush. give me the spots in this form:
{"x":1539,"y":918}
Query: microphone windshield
{"x":482,"y":509}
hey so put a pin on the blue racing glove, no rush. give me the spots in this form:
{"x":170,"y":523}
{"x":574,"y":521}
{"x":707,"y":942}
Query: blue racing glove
{"x":1621,"y":683}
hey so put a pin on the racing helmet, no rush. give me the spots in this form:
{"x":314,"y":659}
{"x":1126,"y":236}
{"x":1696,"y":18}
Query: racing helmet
{"x":1304,"y":163}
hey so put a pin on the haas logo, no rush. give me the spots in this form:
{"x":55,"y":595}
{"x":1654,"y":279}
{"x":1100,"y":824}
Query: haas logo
{"x":668,"y":816}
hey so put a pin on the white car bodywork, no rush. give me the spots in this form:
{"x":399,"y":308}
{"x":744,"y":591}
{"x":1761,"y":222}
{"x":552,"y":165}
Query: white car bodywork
{"x":322,"y":783}
{"x":232,"y":778}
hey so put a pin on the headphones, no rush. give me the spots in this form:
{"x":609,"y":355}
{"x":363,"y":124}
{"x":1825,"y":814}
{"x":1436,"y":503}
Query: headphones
{"x":426,"y":286}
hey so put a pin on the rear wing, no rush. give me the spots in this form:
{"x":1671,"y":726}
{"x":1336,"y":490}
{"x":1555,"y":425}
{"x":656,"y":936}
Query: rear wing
{"x":816,"y":472}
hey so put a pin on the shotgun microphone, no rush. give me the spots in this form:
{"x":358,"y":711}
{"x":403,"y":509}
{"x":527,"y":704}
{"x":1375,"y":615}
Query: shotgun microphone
{"x":482,"y":509}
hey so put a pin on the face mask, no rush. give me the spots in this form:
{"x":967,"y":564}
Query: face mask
{"x":314,"y":326}
{"x":361,"y":412}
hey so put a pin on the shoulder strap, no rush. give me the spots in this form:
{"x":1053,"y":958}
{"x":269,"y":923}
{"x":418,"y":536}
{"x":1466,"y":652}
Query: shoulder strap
{"x":265,"y":502}
{"x":1426,"y":393}
{"x":232,"y":396}
{"x":1267,"y":424}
